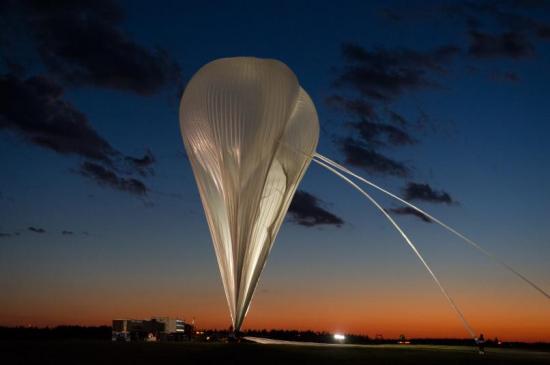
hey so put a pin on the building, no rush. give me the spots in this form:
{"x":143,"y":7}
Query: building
{"x":154,"y":329}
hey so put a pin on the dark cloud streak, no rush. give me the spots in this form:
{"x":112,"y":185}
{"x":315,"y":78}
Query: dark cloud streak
{"x":354,"y":107}
{"x":144,"y":164}
{"x":515,"y":26}
{"x":380,"y":134}
{"x":37,"y":111}
{"x":508,"y":44}
{"x":36,"y":229}
{"x":357,"y":154}
{"x":383,"y":74}
{"x":107,"y":177}
{"x":82,"y":43}
{"x":306,"y":210}
{"x":424,"y":192}
{"x":410,"y":211}
{"x":371,"y":79}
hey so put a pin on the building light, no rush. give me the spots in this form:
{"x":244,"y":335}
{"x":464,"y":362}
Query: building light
{"x":339,"y":337}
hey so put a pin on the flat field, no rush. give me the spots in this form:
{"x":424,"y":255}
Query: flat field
{"x":104,"y":352}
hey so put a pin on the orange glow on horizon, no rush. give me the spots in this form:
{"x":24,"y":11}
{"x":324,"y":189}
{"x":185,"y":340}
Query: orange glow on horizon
{"x":425,"y":317}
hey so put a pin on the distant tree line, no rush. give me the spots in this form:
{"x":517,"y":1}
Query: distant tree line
{"x":56,"y":333}
{"x":104,"y":333}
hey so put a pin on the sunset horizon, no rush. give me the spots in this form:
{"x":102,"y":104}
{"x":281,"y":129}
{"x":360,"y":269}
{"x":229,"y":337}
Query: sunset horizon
{"x":369,"y":168}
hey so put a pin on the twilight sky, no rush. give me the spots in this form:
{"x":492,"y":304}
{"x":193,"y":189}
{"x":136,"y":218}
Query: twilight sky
{"x":445,"y":103}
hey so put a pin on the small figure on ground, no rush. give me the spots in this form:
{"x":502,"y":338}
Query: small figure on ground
{"x":480,"y":341}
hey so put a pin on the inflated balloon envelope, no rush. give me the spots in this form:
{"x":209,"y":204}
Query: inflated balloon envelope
{"x":250,"y":131}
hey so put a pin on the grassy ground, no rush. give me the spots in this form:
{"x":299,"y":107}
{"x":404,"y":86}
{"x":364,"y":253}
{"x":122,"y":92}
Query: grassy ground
{"x":90,"y":352}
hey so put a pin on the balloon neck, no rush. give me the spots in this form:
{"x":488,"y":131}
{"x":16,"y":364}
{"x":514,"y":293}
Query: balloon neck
{"x":235,"y":336}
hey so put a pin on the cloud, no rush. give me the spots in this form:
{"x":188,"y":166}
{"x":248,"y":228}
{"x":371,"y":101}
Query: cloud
{"x":383,"y":74}
{"x":507,"y":44}
{"x":37,"y":111}
{"x":416,"y":191}
{"x":410,"y":211}
{"x":81,"y":42}
{"x":144,"y":164}
{"x":515,"y":26}
{"x":67,"y":233}
{"x":36,"y":230}
{"x":107,"y":177}
{"x":355,"y":107}
{"x":357,"y":154}
{"x":368,"y":122}
{"x":306,"y":210}
{"x":380,"y":134}
{"x":397,"y":118}
{"x":368,"y":82}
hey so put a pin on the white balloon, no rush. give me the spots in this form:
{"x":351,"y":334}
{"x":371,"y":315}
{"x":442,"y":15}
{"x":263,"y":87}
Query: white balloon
{"x":249,"y":130}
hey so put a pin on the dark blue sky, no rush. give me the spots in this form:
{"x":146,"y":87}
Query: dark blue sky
{"x":470,"y":79}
